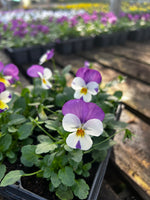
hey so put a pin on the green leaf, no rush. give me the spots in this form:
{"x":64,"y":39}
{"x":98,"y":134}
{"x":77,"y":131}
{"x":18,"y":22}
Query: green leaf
{"x":64,"y":194}
{"x":29,"y":157}
{"x":12,"y":129}
{"x":20,"y":103}
{"x":11,"y":178}
{"x":46,"y":145}
{"x":16,"y":119}
{"x":2,"y":171}
{"x":76,"y":155}
{"x":81,"y":189}
{"x":102,"y":144}
{"x":5,"y":142}
{"x":60,"y":99}
{"x":118,"y":94}
{"x":25,"y":130}
{"x":1,"y":156}
{"x":52,"y":125}
{"x":109,"y":117}
{"x":67,"y":69}
{"x":69,"y":92}
{"x":99,"y":156}
{"x":10,"y":154}
{"x":55,"y":180}
{"x":67,"y":176}
{"x":67,"y":148}
{"x":128,"y":135}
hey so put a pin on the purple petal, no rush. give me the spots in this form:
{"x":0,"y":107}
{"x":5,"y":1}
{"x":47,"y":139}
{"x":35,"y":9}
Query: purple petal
{"x":83,"y":110}
{"x":34,"y":69}
{"x":2,"y":87}
{"x":86,"y":64}
{"x":78,"y":145}
{"x":11,"y":70}
{"x":89,"y":75}
{"x":1,"y":66}
{"x":50,"y":54}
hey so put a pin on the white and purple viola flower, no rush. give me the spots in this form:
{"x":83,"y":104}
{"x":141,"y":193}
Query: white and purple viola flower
{"x":47,"y":56}
{"x":83,"y":120}
{"x":44,"y":73}
{"x":86,"y":83}
{"x":10,"y":73}
{"x":5,"y":97}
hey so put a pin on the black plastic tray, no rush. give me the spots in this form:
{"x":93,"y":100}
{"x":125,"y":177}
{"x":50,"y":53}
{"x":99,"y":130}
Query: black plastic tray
{"x":16,"y":192}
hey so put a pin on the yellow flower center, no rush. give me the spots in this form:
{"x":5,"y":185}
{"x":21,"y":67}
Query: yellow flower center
{"x":44,"y":81}
{"x":84,"y":91}
{"x":80,"y":132}
{"x":4,"y":81}
{"x":3,"y":105}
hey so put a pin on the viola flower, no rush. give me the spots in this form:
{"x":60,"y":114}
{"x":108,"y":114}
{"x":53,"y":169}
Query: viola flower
{"x":86,"y":83}
{"x":5,"y":97}
{"x":47,"y":56}
{"x":34,"y":69}
{"x":10,"y":73}
{"x":44,"y":73}
{"x":83,"y":120}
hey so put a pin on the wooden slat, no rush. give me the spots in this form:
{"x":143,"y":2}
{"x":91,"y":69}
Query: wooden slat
{"x":143,"y":47}
{"x":133,"y":54}
{"x":136,"y":94}
{"x":133,"y":157}
{"x":131,"y":68}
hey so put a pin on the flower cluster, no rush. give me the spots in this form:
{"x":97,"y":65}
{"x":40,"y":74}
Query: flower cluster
{"x":54,"y":127}
{"x":8,"y":75}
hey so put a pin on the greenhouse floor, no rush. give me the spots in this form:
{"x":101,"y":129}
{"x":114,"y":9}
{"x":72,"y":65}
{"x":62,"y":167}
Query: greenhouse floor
{"x":128,"y":173}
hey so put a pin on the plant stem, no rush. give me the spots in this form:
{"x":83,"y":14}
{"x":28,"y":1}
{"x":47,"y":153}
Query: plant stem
{"x":44,"y":130}
{"x":104,"y":140}
{"x":31,"y":174}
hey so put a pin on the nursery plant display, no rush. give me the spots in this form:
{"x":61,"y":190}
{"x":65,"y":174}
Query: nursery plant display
{"x":54,"y":132}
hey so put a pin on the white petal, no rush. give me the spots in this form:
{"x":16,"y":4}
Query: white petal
{"x":71,"y":122}
{"x":83,"y":143}
{"x":93,"y":127}
{"x":47,"y":73}
{"x":43,"y":59}
{"x":86,"y":142}
{"x":72,"y":140}
{"x":78,"y":83}
{"x":78,"y":94}
{"x":93,"y":87}
{"x":5,"y":96}
{"x":46,"y":84}
{"x":87,"y":97}
{"x":40,"y":75}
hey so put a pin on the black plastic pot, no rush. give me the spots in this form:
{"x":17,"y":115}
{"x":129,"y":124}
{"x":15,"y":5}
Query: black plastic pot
{"x":88,"y":43}
{"x":103,"y":40}
{"x":122,"y":38}
{"x":64,"y":47}
{"x":135,"y":35}
{"x":35,"y":53}
{"x":46,"y":47}
{"x":77,"y":45}
{"x":17,"y":192}
{"x":19,"y":55}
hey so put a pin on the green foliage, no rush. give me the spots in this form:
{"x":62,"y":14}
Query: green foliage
{"x":67,"y":176}
{"x":31,"y":133}
{"x":11,"y":178}
{"x":81,"y":189}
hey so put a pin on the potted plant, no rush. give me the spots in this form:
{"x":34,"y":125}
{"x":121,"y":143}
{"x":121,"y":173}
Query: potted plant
{"x":53,"y":133}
